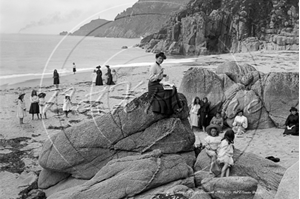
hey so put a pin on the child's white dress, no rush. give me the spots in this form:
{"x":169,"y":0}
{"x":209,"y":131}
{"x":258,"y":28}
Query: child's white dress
{"x":211,"y":145}
{"x":193,"y":115}
{"x":67,"y":105}
{"x":225,"y":152}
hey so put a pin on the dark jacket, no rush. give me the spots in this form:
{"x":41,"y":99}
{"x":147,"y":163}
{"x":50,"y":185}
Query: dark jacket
{"x":292,"y":120}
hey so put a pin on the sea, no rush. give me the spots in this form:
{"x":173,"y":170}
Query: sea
{"x":30,"y":56}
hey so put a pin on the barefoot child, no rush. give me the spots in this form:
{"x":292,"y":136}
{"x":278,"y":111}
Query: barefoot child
{"x":34,"y":106}
{"x":211,"y":143}
{"x":225,"y":152}
{"x":42,"y":104}
{"x":67,"y":101}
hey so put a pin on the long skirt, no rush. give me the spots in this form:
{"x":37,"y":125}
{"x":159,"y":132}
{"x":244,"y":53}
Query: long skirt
{"x":34,"y":108}
{"x":99,"y":81}
{"x":164,"y":102}
{"x":291,"y":131}
{"x":56,"y":80}
{"x":194,"y":119}
{"x":109,"y":80}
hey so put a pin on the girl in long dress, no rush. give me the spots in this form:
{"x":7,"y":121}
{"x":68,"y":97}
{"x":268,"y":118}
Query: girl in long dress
{"x":21,"y":110}
{"x":99,"y":80}
{"x":194,"y":117}
{"x":240,"y":123}
{"x":163,"y":101}
{"x":211,"y":143}
{"x":225,"y":152}
{"x":42,"y":104}
{"x":34,"y":106}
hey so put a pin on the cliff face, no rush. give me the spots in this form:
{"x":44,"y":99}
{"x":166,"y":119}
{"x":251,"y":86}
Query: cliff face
{"x":143,"y":18}
{"x":91,"y":28}
{"x":220,"y":26}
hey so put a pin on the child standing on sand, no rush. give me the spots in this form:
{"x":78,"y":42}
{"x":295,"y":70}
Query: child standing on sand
{"x":67,"y":105}
{"x":42,"y":104}
{"x":225,"y":152}
{"x":211,"y":143}
{"x":34,"y":107}
{"x":21,"y":108}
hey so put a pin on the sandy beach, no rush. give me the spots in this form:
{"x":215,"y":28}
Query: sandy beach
{"x":262,"y":142}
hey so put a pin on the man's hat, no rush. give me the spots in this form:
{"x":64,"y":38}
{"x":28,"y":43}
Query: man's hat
{"x":293,"y":109}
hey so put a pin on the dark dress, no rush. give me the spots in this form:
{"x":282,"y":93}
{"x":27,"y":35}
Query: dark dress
{"x":109,"y":80}
{"x":56,"y":78}
{"x":34,"y":107}
{"x":203,"y":112}
{"x":99,"y":81}
{"x":164,"y":102}
{"x":290,"y":121}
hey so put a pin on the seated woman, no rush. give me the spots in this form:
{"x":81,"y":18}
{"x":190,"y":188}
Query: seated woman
{"x":240,"y":123}
{"x":164,"y":101}
{"x":292,"y":123}
{"x":218,"y":120}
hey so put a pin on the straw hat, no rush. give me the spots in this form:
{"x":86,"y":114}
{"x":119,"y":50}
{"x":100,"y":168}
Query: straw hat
{"x":208,"y":128}
{"x":21,"y":94}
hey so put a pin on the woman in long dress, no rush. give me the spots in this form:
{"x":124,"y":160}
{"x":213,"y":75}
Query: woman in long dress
{"x":99,"y":80}
{"x":292,"y":123}
{"x":55,"y":78}
{"x":163,"y":101}
{"x":194,"y":117}
{"x":34,"y":106}
{"x":21,"y":108}
{"x":109,"y":80}
{"x":203,"y":112}
{"x":240,"y":123}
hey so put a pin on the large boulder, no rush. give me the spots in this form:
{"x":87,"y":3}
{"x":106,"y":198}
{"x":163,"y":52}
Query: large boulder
{"x":233,"y":67}
{"x":281,"y":92}
{"x":202,"y":83}
{"x":129,"y":176}
{"x":230,"y":187}
{"x":289,"y":185}
{"x":267,"y":173}
{"x":83,"y":150}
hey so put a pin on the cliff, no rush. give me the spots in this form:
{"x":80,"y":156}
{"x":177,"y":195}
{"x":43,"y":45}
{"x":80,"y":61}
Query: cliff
{"x":143,"y":18}
{"x":222,"y":26}
{"x":92,"y":28}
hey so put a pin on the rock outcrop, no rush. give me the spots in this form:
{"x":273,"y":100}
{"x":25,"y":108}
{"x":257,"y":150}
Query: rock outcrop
{"x":264,"y":98}
{"x":143,"y":18}
{"x":230,"y":187}
{"x":221,"y":26}
{"x":83,"y":150}
{"x":288,"y":186}
{"x":129,"y":176}
{"x":267,"y":173}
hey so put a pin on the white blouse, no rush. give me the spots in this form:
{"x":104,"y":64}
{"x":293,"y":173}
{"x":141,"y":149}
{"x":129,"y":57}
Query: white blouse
{"x":242,"y":120}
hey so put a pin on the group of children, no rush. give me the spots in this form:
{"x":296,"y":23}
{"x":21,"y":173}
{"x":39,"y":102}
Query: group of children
{"x":38,"y":105}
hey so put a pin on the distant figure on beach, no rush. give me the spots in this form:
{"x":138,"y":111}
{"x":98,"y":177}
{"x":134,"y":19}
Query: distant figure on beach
{"x":34,"y":107}
{"x":74,"y":68}
{"x":225,"y":152}
{"x":292,"y":123}
{"x":99,"y":80}
{"x":109,"y":77}
{"x":211,"y":143}
{"x":55,"y":78}
{"x":194,"y":117}
{"x":203,"y":112}
{"x":164,"y":97}
{"x":21,"y":110}
{"x":218,"y":120}
{"x":240,"y":123}
{"x":42,"y":104}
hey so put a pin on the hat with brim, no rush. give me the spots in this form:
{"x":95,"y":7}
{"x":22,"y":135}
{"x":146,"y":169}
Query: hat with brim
{"x":98,"y":66}
{"x":293,"y":109}
{"x":212,"y":126}
{"x":21,"y":94}
{"x":41,"y":94}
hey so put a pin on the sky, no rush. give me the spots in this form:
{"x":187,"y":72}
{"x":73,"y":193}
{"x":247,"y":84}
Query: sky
{"x":55,"y":16}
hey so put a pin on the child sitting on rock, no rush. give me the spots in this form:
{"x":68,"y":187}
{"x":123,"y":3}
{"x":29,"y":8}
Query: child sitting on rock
{"x":211,"y":142}
{"x":225,"y":152}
